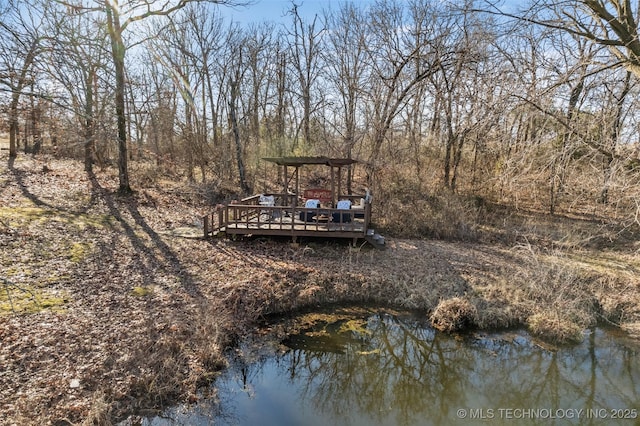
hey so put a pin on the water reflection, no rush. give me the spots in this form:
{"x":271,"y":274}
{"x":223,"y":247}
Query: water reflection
{"x":395,"y":370}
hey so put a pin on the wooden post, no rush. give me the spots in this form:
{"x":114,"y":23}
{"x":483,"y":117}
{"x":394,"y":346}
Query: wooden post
{"x":333,"y":188}
{"x":339,"y":184}
{"x":285,"y":190}
{"x":205,"y":219}
{"x":367,"y":216}
{"x":295,"y":199}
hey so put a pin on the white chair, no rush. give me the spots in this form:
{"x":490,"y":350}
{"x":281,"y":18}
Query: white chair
{"x":312,"y":204}
{"x":344,"y":205}
{"x":267,"y":201}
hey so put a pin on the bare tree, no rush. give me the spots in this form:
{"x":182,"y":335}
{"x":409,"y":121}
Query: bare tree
{"x":609,"y":23}
{"x":346,"y":60}
{"x":119,"y":16}
{"x":20,"y":45}
{"x":577,"y":70}
{"x":173,"y":49}
{"x":403,"y":50}
{"x":613,"y":136}
{"x":201,"y":42}
{"x":305,"y":43}
{"x":257,"y":47}
{"x":162,"y":108}
{"x":77,"y":58}
{"x":235,"y":78}
{"x":276,"y":125}
{"x":582,"y":32}
{"x":465,"y":100}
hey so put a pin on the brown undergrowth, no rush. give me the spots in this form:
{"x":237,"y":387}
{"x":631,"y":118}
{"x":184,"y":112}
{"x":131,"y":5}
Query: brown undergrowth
{"x":146,"y":313}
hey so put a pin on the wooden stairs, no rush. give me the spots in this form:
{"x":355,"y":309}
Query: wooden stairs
{"x":375,"y":239}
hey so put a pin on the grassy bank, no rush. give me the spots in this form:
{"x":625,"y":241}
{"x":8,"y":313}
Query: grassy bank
{"x":107,"y":308}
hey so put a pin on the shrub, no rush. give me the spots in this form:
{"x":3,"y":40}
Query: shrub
{"x":406,"y":209}
{"x":455,"y":314}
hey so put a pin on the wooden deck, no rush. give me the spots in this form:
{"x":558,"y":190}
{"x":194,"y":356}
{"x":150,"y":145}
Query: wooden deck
{"x":250,"y":218}
{"x":282,"y":214}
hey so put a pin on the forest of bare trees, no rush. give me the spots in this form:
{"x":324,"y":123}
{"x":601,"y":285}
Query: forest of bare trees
{"x":533,"y":107}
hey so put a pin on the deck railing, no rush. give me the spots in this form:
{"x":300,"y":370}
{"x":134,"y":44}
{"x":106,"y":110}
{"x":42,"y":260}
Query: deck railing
{"x":248,"y":215}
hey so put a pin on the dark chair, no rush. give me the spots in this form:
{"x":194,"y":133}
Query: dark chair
{"x":342,"y":217}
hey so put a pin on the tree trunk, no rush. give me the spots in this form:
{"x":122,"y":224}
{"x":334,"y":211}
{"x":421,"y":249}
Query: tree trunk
{"x":118,"y":53}
{"x":614,"y":136}
{"x":447,"y":160}
{"x":15,"y":98}
{"x":456,"y":159}
{"x":236,"y":138}
{"x":35,"y":121}
{"x":560,"y":162}
{"x":281,"y":105}
{"x":89,"y":137}
{"x":13,"y":131}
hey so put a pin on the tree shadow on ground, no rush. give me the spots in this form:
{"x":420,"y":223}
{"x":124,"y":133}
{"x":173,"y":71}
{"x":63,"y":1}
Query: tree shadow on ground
{"x":153,"y":255}
{"x":19,"y":177}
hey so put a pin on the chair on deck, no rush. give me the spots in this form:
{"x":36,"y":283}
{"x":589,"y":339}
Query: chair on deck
{"x":358,"y":209}
{"x":267,"y":201}
{"x":341,"y":217}
{"x":307,"y":216}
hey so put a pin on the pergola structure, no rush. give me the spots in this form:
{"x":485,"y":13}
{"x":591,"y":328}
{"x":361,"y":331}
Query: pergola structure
{"x":335,"y":164}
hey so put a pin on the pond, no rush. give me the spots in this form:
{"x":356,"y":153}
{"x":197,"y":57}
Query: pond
{"x":355,"y":367}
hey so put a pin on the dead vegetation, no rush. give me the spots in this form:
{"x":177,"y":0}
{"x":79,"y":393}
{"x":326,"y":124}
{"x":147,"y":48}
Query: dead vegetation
{"x":146,"y":314}
{"x":454,"y":315}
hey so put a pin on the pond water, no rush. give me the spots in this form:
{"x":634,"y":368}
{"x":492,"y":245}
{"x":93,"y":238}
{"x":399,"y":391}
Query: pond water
{"x":393,"y":369}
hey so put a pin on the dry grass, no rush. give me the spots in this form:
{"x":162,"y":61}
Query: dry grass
{"x":408,"y":209}
{"x":561,"y":301}
{"x":567,"y":272}
{"x":454,"y":315}
{"x":555,"y":327}
{"x":100,"y":412}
